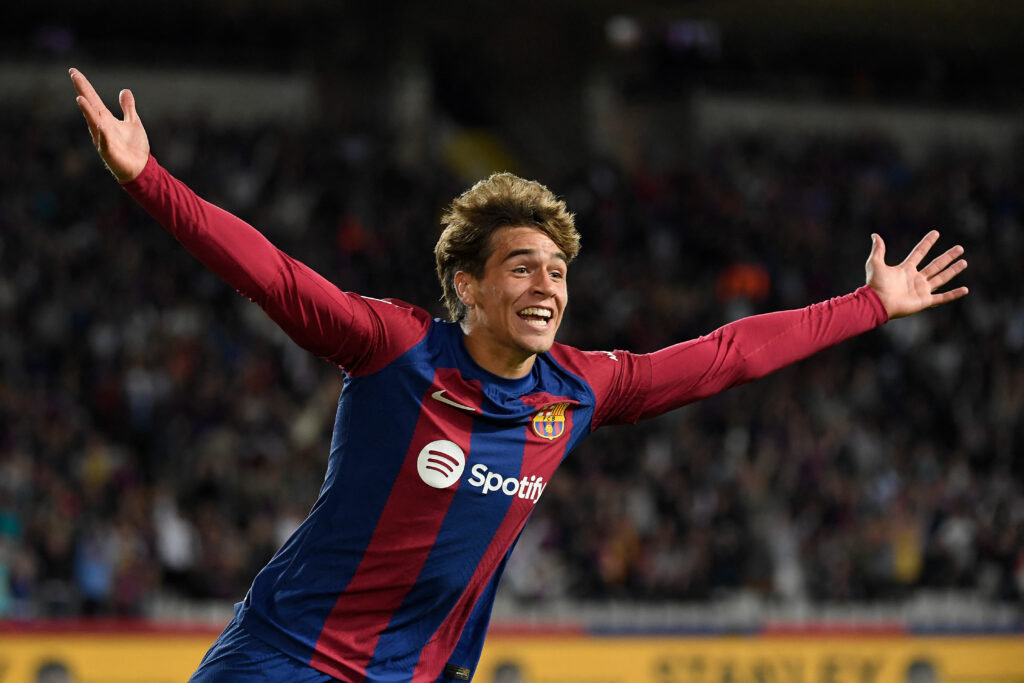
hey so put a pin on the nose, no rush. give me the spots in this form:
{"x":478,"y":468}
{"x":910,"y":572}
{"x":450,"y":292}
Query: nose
{"x":543,"y":284}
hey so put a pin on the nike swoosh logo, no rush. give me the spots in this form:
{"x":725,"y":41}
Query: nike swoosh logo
{"x":439,"y":395}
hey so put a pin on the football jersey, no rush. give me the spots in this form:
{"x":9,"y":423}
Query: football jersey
{"x":436,"y":464}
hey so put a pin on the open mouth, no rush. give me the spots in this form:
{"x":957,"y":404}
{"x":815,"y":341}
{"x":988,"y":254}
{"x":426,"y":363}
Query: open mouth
{"x":537,"y":317}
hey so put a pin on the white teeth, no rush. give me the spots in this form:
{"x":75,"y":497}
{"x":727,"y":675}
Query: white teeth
{"x":541,"y":312}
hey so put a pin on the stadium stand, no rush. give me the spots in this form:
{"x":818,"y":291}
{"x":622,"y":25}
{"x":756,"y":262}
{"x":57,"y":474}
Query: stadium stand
{"x":160,"y":439}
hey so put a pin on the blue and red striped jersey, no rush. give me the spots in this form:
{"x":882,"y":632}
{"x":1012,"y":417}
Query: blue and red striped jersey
{"x":436,"y":464}
{"x":435,"y":467}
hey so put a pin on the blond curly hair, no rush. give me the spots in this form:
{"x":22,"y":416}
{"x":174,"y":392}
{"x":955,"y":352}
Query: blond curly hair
{"x":503,"y":200}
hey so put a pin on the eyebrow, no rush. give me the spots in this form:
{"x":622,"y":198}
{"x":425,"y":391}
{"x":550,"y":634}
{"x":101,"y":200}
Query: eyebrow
{"x":530,"y":252}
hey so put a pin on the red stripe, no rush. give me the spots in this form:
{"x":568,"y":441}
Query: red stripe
{"x":541,"y":457}
{"x":401,"y":542}
{"x":511,"y":629}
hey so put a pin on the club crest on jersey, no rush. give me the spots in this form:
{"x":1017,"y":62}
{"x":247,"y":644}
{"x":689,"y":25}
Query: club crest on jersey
{"x":549,"y":422}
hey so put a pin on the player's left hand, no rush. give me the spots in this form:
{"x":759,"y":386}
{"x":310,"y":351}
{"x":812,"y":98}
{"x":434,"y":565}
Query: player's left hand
{"x":904,"y":289}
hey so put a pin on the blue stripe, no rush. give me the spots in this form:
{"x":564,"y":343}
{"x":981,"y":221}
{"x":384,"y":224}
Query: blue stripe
{"x":471,"y":641}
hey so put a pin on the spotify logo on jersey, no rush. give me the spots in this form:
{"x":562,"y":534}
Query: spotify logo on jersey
{"x":440,"y":463}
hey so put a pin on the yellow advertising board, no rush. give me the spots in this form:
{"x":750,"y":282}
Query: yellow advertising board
{"x":150,"y":657}
{"x":166,"y":657}
{"x":753,"y":659}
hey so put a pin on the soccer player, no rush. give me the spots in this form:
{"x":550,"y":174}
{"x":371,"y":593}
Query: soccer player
{"x":448,"y":432}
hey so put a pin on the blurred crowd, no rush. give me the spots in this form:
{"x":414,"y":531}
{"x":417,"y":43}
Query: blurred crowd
{"x":160,"y":437}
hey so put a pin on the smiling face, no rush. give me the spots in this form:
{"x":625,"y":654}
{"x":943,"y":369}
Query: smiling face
{"x":516,"y":307}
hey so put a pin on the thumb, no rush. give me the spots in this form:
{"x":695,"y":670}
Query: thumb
{"x":877,"y":254}
{"x":127,"y":100}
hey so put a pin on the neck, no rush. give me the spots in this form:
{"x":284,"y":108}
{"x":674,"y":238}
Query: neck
{"x":498,"y":359}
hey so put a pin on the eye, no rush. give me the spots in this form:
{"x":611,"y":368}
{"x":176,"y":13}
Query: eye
{"x":557,"y":274}
{"x":521,"y":270}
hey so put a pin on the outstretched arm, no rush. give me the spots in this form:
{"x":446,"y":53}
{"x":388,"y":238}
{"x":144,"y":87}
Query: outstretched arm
{"x":756,"y":346}
{"x":341,"y":327}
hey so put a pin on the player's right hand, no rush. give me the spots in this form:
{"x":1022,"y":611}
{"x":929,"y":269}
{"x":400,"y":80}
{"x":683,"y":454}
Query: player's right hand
{"x":123,"y":144}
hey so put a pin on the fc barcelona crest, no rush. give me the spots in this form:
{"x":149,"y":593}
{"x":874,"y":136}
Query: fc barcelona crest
{"x":549,"y":422}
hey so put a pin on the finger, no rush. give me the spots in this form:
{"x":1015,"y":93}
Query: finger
{"x":947,"y":274}
{"x":91,"y":120}
{"x":946,"y":297}
{"x":942,"y":261}
{"x":85,"y":89}
{"x":127,"y":100}
{"x":923,"y":247}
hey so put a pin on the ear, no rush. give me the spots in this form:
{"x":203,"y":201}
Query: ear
{"x":465,"y":288}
